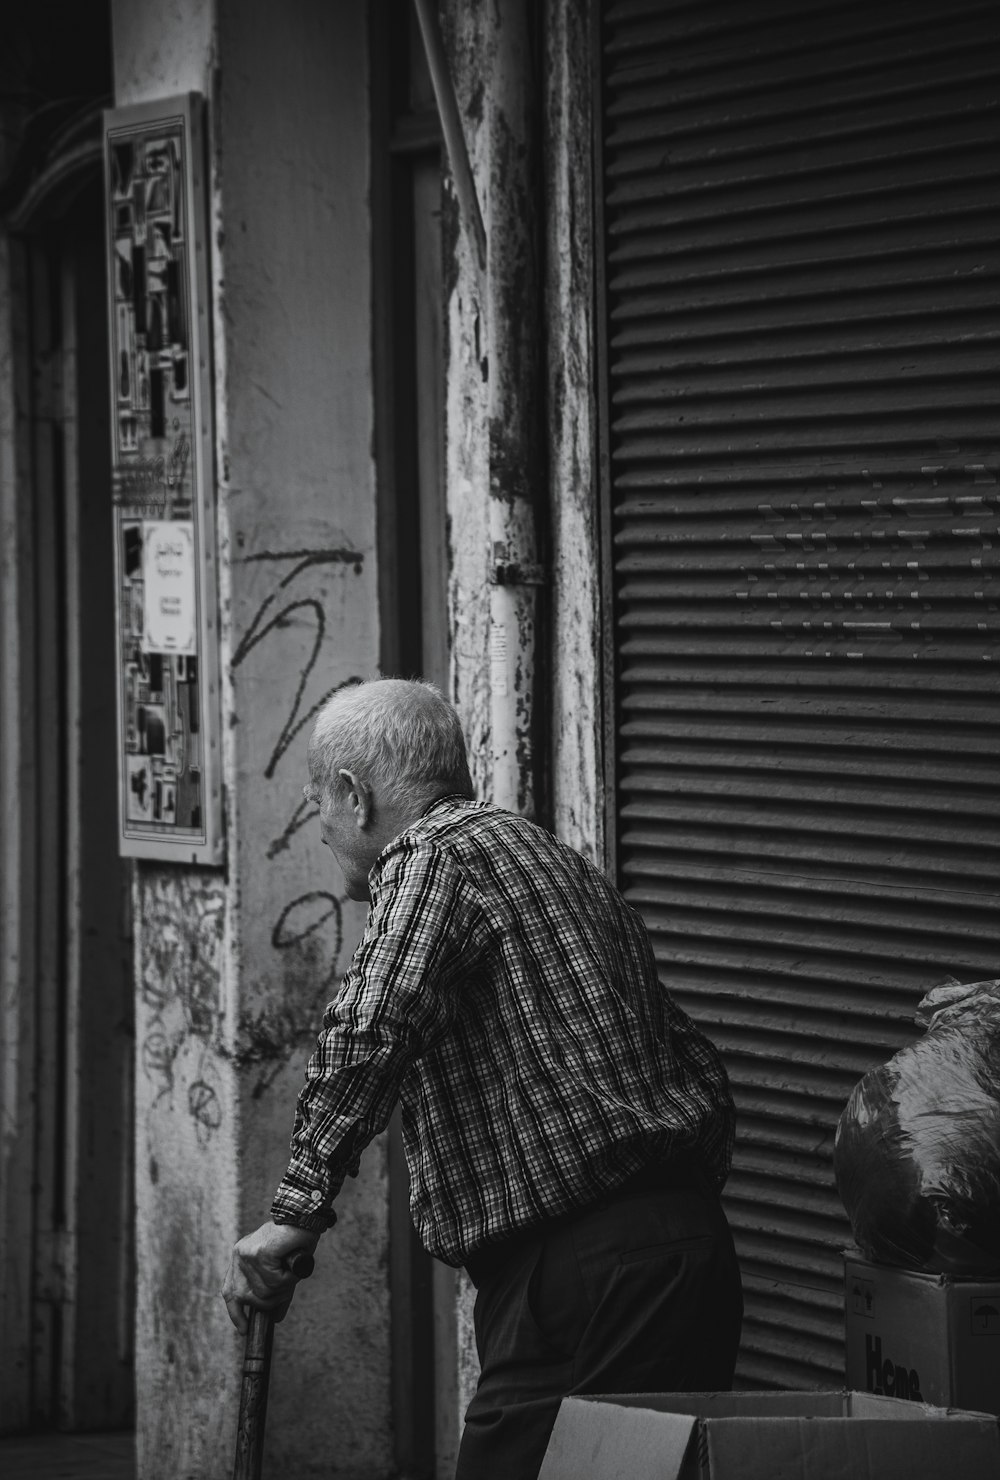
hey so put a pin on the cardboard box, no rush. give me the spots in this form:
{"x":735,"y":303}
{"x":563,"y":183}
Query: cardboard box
{"x":928,"y":1337}
{"x":764,"y":1436}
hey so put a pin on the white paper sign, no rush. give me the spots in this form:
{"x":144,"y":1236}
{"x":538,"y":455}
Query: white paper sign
{"x":169,"y":586}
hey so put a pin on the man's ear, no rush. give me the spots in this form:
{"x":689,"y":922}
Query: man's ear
{"x":360,"y":798}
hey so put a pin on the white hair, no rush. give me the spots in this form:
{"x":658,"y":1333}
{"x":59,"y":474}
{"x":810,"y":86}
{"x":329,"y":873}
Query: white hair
{"x":399,"y":735}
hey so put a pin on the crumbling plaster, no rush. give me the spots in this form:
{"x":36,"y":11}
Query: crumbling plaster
{"x":298,"y":618}
{"x":577,"y":786}
{"x":559,"y":474}
{"x":234,"y":966}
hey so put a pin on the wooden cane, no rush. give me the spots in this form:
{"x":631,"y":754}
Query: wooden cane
{"x":256,"y":1373}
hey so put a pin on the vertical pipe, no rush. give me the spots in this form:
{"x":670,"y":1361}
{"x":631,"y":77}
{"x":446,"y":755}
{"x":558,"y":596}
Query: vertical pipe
{"x":451,"y":126}
{"x":508,"y":292}
{"x":514,"y":395}
{"x":508,"y":246}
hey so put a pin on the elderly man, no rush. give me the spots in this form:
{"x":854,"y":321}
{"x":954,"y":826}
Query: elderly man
{"x":566,"y":1126}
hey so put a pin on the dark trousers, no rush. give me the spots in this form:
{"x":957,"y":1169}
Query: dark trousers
{"x":640,"y":1293}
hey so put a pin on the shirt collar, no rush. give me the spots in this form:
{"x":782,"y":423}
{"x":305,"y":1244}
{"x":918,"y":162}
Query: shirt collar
{"x":451,"y":796}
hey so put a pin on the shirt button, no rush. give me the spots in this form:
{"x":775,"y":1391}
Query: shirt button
{"x":316,"y":1197}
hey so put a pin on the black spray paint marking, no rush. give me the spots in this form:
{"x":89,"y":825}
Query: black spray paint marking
{"x":303,"y":813}
{"x":158,"y":1054}
{"x":259,"y":629}
{"x":269,"y":1038}
{"x":306,"y":558}
{"x":304,"y":916}
{"x":203,"y":1106}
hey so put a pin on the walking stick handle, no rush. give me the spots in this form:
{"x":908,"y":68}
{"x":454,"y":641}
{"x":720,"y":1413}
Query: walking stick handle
{"x":256,"y":1375}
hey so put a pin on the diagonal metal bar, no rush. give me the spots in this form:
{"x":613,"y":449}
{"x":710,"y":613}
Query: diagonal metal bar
{"x":451,"y":126}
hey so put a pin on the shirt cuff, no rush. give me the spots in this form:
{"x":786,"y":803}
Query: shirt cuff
{"x":309,"y":1222}
{"x":299,"y":1201}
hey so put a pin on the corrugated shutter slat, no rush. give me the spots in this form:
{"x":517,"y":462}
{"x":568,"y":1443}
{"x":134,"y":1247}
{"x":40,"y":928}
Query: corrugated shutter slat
{"x":800,"y":311}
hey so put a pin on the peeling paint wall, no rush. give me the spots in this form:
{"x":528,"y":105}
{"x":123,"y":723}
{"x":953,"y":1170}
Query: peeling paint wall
{"x":561,"y":475}
{"x":298,"y":481}
{"x":186,"y":1169}
{"x":577,"y":760}
{"x":234,"y":968}
{"x":517,"y":463}
{"x":187,"y":1158}
{"x":466,"y":426}
{"x":467,"y":469}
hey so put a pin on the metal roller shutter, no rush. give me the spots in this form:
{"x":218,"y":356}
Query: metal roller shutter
{"x":800,"y":349}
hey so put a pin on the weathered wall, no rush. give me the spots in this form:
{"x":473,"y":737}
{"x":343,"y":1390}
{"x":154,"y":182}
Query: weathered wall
{"x":234,"y":967}
{"x":187,"y":1171}
{"x":466,"y":432}
{"x":486,"y":314}
{"x":161,"y":52}
{"x":299,"y":489}
{"x":575,"y":613}
{"x":564,"y":481}
{"x":467,"y":465}
{"x":186,"y":1129}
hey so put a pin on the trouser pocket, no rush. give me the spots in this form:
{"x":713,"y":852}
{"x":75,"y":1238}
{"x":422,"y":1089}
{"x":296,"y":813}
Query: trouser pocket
{"x":704,"y":1242}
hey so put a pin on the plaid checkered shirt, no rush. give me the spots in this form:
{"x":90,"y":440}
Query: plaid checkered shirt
{"x":507,"y":996}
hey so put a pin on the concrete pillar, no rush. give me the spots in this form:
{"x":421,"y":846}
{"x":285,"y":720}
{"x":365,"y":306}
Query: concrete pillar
{"x":234,"y":966}
{"x":576,"y":715}
{"x":496,"y":465}
{"x":522,"y":485}
{"x":515,"y":342}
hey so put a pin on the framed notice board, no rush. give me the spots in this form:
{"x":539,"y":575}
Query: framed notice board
{"x":163,"y":494}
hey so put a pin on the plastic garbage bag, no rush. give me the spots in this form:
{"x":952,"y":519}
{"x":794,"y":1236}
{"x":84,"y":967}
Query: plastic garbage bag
{"x":917,"y":1154}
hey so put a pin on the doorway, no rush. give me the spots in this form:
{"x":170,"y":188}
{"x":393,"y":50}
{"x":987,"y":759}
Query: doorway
{"x":66,"y":1212}
{"x":408,"y":344}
